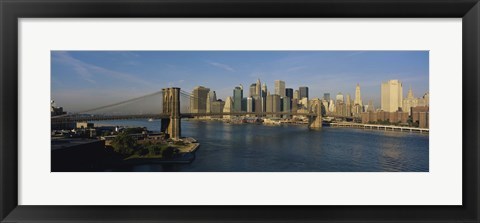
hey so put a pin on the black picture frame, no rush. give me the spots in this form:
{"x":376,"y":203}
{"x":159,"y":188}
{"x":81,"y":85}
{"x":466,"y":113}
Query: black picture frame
{"x":12,"y":10}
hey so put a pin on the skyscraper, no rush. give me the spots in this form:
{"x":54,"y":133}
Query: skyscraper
{"x":250,"y":104}
{"x":217,"y":107}
{"x":392,"y":95}
{"x":264,"y":89}
{"x":253,"y":90}
{"x":303,"y":92}
{"x":370,"y":106}
{"x":269,"y":103}
{"x":258,"y":88}
{"x":209,"y":104}
{"x":348,"y":105}
{"x":326,"y":96}
{"x":280,"y":88}
{"x":227,"y":108}
{"x":358,"y":97}
{"x":339,"y":97}
{"x":296,"y":95}
{"x":199,"y":99}
{"x":287,"y":104}
{"x":264,"y":97}
{"x":409,"y":102}
{"x":237,"y":98}
{"x":289,"y":93}
{"x":276,"y":103}
{"x":331,"y":106}
{"x":213,"y":95}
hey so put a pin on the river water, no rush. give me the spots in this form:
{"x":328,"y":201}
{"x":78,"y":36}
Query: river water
{"x":293,"y":148}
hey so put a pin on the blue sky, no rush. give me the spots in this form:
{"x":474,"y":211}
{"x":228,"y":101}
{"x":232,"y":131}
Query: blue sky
{"x":85,"y":79}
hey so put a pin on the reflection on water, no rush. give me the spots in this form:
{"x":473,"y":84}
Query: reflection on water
{"x":259,"y":148}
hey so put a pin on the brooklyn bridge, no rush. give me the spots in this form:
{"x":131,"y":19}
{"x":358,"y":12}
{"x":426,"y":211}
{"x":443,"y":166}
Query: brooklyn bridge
{"x":174,"y":105}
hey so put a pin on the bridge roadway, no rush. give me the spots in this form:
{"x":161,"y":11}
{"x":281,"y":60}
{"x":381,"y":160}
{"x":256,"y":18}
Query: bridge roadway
{"x":84,"y":118}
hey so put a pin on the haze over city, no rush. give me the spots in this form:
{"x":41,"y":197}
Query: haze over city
{"x":86,"y":79}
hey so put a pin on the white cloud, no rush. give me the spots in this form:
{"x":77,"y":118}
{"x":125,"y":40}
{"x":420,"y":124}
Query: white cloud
{"x":87,"y":71}
{"x":221,"y":66}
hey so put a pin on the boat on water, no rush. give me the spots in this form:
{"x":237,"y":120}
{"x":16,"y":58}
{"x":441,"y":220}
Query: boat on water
{"x":151,"y":119}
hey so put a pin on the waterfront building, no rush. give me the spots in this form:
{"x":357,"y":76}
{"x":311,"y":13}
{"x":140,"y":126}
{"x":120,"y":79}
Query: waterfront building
{"x":213,"y":95}
{"x":324,"y":107}
{"x":326,"y":96}
{"x":357,"y":110}
{"x":348,"y":106}
{"x":257,"y":104}
{"x":276,"y":103}
{"x":199,"y":99}
{"x":244,"y":104}
{"x":209,"y":104}
{"x":420,"y":116}
{"x":339,"y":97}
{"x":331,"y":106}
{"x":250,"y":104}
{"x":410,"y":101}
{"x":286,"y":106}
{"x":253,"y":90}
{"x":264,"y":89}
{"x":372,"y":117}
{"x":258,"y":88}
{"x":303,"y":92}
{"x":228,"y":107}
{"x":289,"y":93}
{"x":358,"y":96}
{"x":83,"y":125}
{"x":391,"y":95}
{"x":269,"y":103}
{"x":370,"y":106}
{"x":296,"y":94}
{"x":280,"y":88}
{"x":294,"y":105}
{"x":264,"y":97}
{"x":54,"y":110}
{"x":237,"y":98}
{"x":426,"y":99}
{"x":340,"y":108}
{"x":218,"y":107}
{"x":423,"y":120}
{"x":303,"y":104}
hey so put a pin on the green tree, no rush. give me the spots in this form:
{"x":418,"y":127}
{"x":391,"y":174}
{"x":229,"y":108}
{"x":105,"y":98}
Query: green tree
{"x":124,"y":144}
{"x":135,"y":130}
{"x":168,"y":153}
{"x":107,"y":133}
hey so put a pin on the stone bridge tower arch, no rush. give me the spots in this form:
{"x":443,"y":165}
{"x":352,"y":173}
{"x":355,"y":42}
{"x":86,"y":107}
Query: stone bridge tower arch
{"x":171,"y":106}
{"x":315,"y":121}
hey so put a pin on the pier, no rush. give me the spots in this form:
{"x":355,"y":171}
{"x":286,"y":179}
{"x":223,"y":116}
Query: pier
{"x":379,"y":127}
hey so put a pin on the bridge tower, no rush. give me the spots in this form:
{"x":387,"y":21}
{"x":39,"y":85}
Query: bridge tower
{"x":315,"y":122}
{"x":171,"y":106}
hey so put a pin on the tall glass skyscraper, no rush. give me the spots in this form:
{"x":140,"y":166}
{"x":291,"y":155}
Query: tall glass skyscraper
{"x":237,"y":98}
{"x":280,"y":88}
{"x":289,"y":92}
{"x":303,"y":92}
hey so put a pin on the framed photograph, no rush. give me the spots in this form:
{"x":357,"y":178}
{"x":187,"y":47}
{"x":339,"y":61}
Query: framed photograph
{"x":226,"y":111}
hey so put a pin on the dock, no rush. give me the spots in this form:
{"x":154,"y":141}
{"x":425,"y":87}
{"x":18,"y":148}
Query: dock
{"x":379,"y":127}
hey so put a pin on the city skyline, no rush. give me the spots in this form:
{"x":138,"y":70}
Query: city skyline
{"x":79,"y":77}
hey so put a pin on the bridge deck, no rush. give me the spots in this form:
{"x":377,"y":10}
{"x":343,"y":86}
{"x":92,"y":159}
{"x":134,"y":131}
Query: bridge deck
{"x":82,"y":118}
